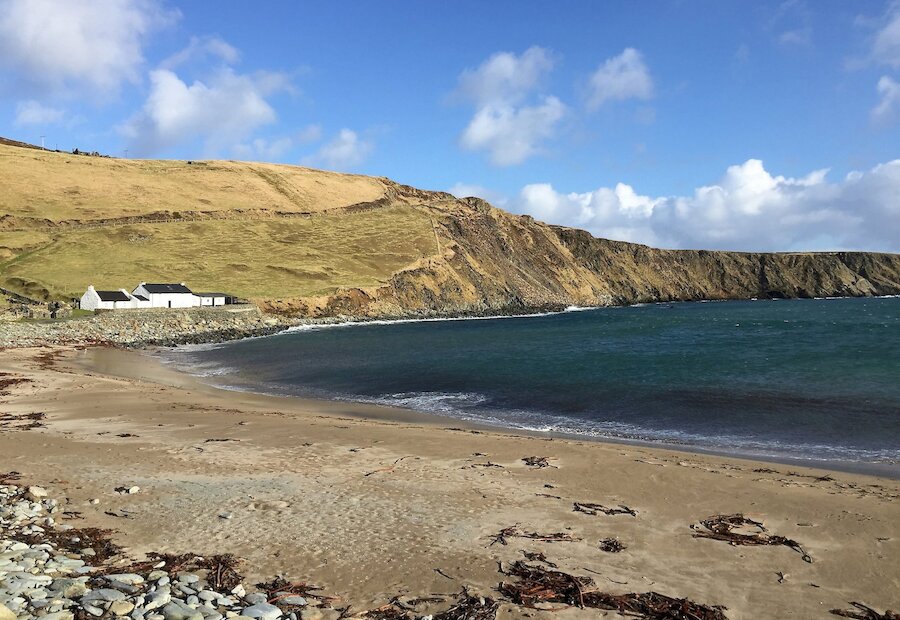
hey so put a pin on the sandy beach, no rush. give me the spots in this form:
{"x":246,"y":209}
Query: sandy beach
{"x":371,"y":503}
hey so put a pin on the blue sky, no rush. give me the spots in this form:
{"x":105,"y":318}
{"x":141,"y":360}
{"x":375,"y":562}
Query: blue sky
{"x":743,"y":125}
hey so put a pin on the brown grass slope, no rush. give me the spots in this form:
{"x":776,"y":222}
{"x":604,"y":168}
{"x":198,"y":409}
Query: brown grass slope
{"x":313,"y":243}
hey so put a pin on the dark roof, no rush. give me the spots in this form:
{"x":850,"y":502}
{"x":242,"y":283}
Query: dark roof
{"x":166,"y":288}
{"x":212,"y":294}
{"x":141,"y":297}
{"x":112,"y":296}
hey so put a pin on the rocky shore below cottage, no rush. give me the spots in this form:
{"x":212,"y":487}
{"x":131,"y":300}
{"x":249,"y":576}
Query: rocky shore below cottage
{"x":141,"y":328}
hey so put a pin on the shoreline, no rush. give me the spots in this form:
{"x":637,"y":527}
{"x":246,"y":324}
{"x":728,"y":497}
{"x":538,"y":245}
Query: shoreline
{"x":372,"y":508}
{"x":374,"y":410}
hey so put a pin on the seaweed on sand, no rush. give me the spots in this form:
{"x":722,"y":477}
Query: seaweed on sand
{"x":722,"y":527}
{"x":539,"y":585}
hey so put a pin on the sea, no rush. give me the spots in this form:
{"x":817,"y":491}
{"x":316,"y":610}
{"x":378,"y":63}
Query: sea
{"x":816,"y":381}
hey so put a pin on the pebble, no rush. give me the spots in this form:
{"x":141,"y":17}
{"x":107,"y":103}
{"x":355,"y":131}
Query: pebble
{"x":122,"y":608}
{"x":262,"y":611}
{"x":178,"y":610}
{"x":36,"y":494}
{"x":256,"y":598}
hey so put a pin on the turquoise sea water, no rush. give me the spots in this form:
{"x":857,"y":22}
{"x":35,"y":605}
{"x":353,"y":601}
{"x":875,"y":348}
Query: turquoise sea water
{"x":805,"y":379}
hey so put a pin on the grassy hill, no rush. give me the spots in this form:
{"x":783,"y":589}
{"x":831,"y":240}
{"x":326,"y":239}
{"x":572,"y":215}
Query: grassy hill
{"x":257,"y":230}
{"x":315,"y":243}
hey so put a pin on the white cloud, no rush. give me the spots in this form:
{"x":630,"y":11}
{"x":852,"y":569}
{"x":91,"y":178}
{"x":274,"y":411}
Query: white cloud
{"x":748,"y":209}
{"x":70,"y":47}
{"x":886,"y":46}
{"x":889,"y":102}
{"x":510,"y":124}
{"x":201,"y":47}
{"x":512,"y":134}
{"x":35,"y":113}
{"x":222,"y":111}
{"x":505,"y":78}
{"x":345,"y":151}
{"x":619,"y":78}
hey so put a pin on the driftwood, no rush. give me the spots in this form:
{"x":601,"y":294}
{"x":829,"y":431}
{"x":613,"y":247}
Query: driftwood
{"x":864,"y":612}
{"x":514,"y":532}
{"x":721,"y":527}
{"x":611,"y":545}
{"x":539,"y":585}
{"x":593,"y":509}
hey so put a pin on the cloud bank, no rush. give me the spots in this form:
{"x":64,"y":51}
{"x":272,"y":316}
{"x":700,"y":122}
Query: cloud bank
{"x":747,"y":209}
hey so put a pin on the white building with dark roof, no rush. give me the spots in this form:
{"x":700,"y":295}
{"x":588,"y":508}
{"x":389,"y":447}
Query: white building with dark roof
{"x":152,"y":296}
{"x":167,"y":295}
{"x":110,"y":300}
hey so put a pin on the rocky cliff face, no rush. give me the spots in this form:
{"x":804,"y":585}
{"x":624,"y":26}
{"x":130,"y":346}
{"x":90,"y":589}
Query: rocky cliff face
{"x":491,"y":261}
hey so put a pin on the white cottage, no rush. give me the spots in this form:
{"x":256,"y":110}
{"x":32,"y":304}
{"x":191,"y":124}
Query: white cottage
{"x":167,"y":295}
{"x":105,"y":300}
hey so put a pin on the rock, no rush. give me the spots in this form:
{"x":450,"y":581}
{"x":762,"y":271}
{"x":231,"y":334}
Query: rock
{"x":94,"y":611}
{"x":121,"y":608}
{"x":59,"y":615}
{"x":158,"y":599}
{"x":239,"y":590}
{"x":69,"y":588}
{"x":299,"y":601}
{"x":6,"y":613}
{"x":176,"y":610}
{"x":127,"y":578}
{"x":94,"y":501}
{"x":262,"y":611}
{"x":103,"y":594}
{"x":226,"y":515}
{"x":256,"y":598}
{"x":36,"y":494}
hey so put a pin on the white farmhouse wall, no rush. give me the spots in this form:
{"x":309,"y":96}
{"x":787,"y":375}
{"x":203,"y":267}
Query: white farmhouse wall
{"x":168,"y":300}
{"x":90,"y":300}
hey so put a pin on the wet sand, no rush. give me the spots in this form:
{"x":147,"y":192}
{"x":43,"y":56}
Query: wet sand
{"x":371,"y":503}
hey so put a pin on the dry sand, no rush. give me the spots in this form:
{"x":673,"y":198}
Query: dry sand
{"x":368,"y":502}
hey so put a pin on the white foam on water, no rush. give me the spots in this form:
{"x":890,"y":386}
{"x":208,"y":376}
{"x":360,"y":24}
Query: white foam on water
{"x":374,"y":322}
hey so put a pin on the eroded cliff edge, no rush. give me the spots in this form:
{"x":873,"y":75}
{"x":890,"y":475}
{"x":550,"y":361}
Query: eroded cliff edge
{"x":493,"y":262}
